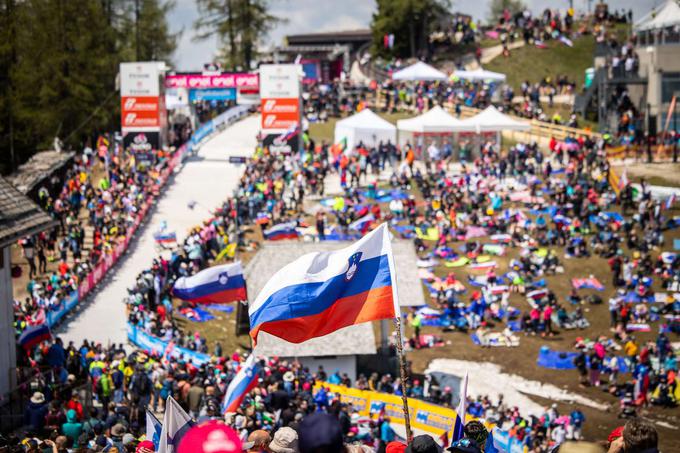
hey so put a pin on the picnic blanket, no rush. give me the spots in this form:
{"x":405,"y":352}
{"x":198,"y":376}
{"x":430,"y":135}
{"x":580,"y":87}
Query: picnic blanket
{"x":501,"y":238}
{"x":196,"y":314}
{"x":587,"y":283}
{"x":430,"y":234}
{"x":459,"y":262}
{"x":493,"y":249}
{"x":537,"y":294}
{"x":556,"y":360}
{"x":220,"y":307}
{"x":384,"y":196}
{"x":475,"y":232}
{"x":427,"y":263}
{"x":481,"y":280}
{"x":483,"y":266}
{"x":405,"y":231}
{"x":497,"y":340}
{"x":638,"y":327}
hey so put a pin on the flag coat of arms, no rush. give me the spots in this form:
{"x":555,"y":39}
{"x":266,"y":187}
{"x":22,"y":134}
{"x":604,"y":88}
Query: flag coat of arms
{"x":245,"y":380}
{"x":214,"y":285}
{"x":322,"y":292}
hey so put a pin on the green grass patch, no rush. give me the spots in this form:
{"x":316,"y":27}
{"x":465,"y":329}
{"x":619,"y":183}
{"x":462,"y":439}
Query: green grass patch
{"x":533,"y":64}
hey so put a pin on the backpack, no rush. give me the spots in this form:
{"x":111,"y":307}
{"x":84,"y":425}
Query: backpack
{"x":142,"y":385}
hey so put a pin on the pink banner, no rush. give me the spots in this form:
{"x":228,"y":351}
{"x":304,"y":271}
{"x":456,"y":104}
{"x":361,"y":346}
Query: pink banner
{"x":235,"y":80}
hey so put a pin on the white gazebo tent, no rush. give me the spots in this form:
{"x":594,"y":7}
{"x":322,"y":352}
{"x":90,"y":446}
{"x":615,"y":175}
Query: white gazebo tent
{"x":419,"y":71}
{"x":435,"y":125}
{"x":479,"y":74}
{"x":667,"y":15}
{"x":491,"y":120}
{"x":366,"y":127}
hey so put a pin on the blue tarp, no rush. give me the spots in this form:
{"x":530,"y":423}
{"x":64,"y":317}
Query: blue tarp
{"x":201,"y":315}
{"x":556,"y":360}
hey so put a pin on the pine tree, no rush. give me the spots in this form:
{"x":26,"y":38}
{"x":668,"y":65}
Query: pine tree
{"x":238,"y":24}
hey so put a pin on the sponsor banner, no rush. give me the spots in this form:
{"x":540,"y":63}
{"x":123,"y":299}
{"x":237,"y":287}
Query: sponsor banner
{"x":55,"y":314}
{"x":212,"y":94}
{"x":139,"y":79}
{"x":141,"y":141}
{"x":280,"y":80}
{"x":425,"y":416}
{"x":131,"y":120}
{"x":225,"y":80}
{"x":158,"y":347}
{"x":280,"y":144}
{"x":280,"y":113}
{"x":139,"y":104}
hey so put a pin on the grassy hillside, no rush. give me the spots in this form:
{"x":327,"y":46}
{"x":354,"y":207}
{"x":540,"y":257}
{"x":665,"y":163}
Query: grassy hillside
{"x":533,"y":64}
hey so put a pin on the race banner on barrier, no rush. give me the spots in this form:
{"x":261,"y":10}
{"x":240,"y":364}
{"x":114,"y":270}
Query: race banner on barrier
{"x":158,"y":347}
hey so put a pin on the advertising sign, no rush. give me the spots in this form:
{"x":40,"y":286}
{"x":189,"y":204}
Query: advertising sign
{"x":212,"y":94}
{"x":141,"y":141}
{"x":142,"y":102}
{"x":280,"y":80}
{"x":224,"y":80}
{"x":282,"y":143}
{"x":139,"y":79}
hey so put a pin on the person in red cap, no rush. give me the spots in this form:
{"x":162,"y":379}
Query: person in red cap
{"x":210,"y":437}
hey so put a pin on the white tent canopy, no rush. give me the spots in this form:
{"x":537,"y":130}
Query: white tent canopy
{"x":667,"y":15}
{"x":435,"y":120}
{"x":419,"y":71}
{"x":479,"y":74}
{"x":491,"y":120}
{"x":366,"y":127}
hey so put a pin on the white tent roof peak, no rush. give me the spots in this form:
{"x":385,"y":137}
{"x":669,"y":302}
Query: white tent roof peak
{"x":666,"y":15}
{"x":366,"y":119}
{"x":434,"y":120}
{"x":479,"y":74}
{"x":419,"y":71}
{"x":491,"y":119}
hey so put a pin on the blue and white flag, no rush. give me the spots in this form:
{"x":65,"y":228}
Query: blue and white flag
{"x":153,"y":429}
{"x":461,"y":410}
{"x":219,"y":284}
{"x":670,"y":201}
{"x":176,"y":423}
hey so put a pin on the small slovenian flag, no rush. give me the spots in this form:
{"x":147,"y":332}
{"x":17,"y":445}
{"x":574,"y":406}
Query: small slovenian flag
{"x":281,"y":231}
{"x":165,"y":237}
{"x":362,"y":224}
{"x":214,"y":285}
{"x":461,"y":410}
{"x":33,"y":335}
{"x":291,"y":132}
{"x":245,"y":380}
{"x":670,"y":201}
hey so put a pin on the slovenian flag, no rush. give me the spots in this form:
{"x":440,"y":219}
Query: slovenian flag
{"x":214,"y":285}
{"x":281,"y":231}
{"x":322,"y":292}
{"x":153,"y":429}
{"x":34,"y":335}
{"x":362,"y":224}
{"x":245,"y":380}
{"x":670,"y":201}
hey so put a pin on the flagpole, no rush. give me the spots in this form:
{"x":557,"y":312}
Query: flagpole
{"x":397,"y":319}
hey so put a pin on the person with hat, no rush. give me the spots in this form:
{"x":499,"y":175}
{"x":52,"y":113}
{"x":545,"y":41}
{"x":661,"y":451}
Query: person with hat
{"x":285,"y":441}
{"x":72,"y":428}
{"x":35,"y":413}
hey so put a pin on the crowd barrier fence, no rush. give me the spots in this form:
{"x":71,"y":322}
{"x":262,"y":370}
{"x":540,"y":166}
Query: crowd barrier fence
{"x":90,"y":281}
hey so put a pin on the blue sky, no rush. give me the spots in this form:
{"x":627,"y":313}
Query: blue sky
{"x":325,"y":15}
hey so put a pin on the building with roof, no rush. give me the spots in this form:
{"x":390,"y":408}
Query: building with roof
{"x":323,"y":56}
{"x":658,"y":48}
{"x":19,"y":217}
{"x":344,"y":349}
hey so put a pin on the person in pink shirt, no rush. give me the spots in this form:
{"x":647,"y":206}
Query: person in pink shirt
{"x":547,"y":321}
